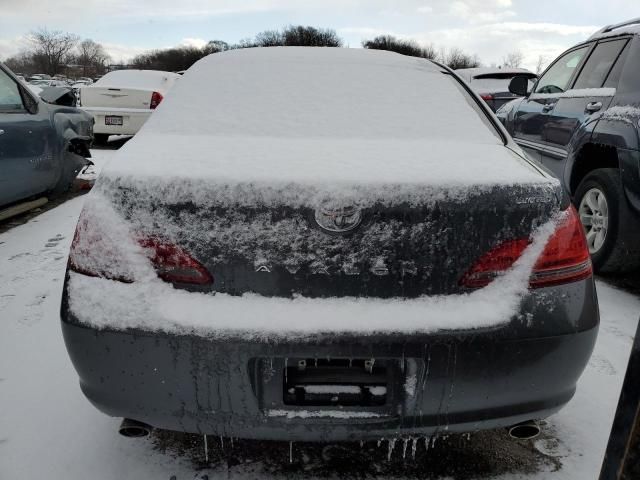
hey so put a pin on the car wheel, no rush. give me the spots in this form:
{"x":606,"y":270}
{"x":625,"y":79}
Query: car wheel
{"x":100,"y":138}
{"x":610,"y":226}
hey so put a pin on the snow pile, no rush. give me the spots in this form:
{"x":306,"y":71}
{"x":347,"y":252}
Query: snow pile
{"x":154,"y":305}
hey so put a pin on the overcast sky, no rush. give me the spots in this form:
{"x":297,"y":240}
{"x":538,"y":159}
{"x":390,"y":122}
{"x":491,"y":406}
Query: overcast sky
{"x":489,"y":28}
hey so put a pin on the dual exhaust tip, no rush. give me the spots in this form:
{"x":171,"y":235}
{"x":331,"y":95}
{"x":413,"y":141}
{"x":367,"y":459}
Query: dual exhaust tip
{"x":134,"y":429}
{"x":520,"y":431}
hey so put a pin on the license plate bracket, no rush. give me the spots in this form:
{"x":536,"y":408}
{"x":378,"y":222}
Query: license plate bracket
{"x":342,"y":382}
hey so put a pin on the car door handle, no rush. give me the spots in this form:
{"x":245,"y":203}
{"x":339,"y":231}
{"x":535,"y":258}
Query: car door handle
{"x":1,"y":132}
{"x":548,"y":107}
{"x":593,"y":106}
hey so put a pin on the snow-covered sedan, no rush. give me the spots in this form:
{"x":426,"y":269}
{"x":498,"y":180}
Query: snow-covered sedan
{"x":330,"y":244}
{"x":122,"y":101}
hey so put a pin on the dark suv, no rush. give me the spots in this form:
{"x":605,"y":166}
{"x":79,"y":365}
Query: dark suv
{"x":581,"y":121}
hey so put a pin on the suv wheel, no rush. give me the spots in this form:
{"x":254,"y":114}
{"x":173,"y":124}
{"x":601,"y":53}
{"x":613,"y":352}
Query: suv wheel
{"x":610,"y":227}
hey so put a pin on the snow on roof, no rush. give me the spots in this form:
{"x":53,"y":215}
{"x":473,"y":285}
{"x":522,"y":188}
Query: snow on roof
{"x":144,"y":79}
{"x":323,"y":117}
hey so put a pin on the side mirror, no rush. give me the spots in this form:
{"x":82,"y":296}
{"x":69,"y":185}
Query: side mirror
{"x":519,"y":85}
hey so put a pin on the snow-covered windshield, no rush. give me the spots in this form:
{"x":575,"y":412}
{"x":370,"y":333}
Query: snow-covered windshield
{"x":316,"y":92}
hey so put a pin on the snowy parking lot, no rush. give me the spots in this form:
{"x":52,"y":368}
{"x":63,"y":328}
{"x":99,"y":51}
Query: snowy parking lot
{"x":49,"y":430}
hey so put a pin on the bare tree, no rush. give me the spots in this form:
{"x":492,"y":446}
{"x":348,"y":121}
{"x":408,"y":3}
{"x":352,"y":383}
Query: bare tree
{"x":513,"y":59}
{"x":215,"y":46}
{"x":91,"y":56}
{"x":542,"y":61}
{"x":50,"y":48}
{"x":299,"y":35}
{"x":294,"y":36}
{"x":21,"y":63}
{"x":455,"y":58}
{"x":404,"y":47}
{"x":268,"y":38}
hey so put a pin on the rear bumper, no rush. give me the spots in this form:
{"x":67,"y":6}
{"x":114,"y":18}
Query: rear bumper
{"x":450,"y":381}
{"x":132,"y":120}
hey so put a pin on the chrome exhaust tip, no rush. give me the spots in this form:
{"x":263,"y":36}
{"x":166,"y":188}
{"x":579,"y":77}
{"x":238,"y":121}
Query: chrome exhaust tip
{"x":134,"y":429}
{"x":525,"y":430}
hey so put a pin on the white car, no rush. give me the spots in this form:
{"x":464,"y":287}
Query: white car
{"x":122,"y":101}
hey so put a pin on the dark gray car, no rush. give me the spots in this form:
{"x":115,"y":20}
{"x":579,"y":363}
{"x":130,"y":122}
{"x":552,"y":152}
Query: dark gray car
{"x":42,"y":146}
{"x":327,"y":259}
{"x":582,"y":121}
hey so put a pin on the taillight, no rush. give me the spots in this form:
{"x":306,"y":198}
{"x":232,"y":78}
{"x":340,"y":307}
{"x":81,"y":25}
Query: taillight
{"x":156,"y":98}
{"x":564,"y":259}
{"x":175,"y":265}
{"x":486,"y":96}
{"x":493,"y":263}
{"x":93,"y":253}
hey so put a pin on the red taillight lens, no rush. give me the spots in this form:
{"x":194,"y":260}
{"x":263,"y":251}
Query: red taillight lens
{"x":493,"y":263}
{"x":156,"y":98}
{"x":566,"y":255}
{"x":175,"y":265}
{"x":564,"y":259}
{"x":486,"y":96}
{"x":91,"y":254}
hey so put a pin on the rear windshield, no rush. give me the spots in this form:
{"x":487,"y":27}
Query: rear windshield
{"x":340,"y":93}
{"x":497,"y":82}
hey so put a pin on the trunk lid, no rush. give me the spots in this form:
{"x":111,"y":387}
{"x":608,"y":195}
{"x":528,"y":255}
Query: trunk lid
{"x":394,"y":251}
{"x":114,"y":97}
{"x":316,"y":234}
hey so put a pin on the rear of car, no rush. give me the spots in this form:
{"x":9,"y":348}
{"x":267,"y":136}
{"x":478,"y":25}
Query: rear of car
{"x":122,"y":101}
{"x":321,"y":257}
{"x":492,"y":84}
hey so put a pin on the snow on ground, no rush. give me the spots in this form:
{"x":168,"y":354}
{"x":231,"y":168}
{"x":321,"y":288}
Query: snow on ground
{"x":49,"y":430}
